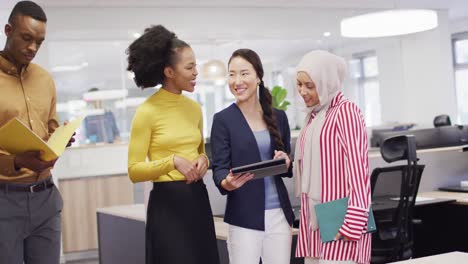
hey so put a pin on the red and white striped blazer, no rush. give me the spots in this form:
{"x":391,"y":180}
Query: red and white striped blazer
{"x":345,"y":173}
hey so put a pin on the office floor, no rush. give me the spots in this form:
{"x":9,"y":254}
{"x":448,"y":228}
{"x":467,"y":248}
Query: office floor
{"x":83,"y":262}
{"x":85,"y":257}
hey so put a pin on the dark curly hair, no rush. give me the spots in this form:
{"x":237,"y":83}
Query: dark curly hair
{"x":265,"y":96}
{"x":151,"y":53}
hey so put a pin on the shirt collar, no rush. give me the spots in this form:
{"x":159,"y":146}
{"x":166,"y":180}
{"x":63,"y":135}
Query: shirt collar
{"x":9,"y":68}
{"x":168,"y":95}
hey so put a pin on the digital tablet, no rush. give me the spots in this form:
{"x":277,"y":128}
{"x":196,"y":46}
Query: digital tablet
{"x":263,"y":169}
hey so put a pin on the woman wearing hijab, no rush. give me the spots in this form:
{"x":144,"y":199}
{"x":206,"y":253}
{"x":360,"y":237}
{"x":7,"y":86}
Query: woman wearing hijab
{"x":331,"y":162}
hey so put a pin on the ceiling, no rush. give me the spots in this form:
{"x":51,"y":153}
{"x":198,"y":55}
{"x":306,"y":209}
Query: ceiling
{"x":96,"y":32}
{"x":208,"y":20}
{"x":437,"y":4}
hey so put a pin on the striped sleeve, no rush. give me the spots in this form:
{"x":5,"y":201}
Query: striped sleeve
{"x":352,"y":132}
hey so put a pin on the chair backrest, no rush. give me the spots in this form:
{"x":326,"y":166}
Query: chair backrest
{"x":397,"y":187}
{"x":401,"y":147}
{"x":442,"y":120}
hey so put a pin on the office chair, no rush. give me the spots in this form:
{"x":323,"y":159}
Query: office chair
{"x":398,"y":187}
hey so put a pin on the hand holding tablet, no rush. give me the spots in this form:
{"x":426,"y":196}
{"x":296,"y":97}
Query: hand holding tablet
{"x":235,"y":181}
{"x":279,"y":154}
{"x":263,"y":169}
{"x":242,"y":174}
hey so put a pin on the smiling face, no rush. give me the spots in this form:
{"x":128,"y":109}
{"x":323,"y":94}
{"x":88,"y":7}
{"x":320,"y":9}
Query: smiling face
{"x":243,"y":80}
{"x":307,"y":89}
{"x":24,"y":38}
{"x":184,"y":72}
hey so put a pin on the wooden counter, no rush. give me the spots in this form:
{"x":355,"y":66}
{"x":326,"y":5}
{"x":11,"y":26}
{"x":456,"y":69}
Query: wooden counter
{"x":81,"y":198}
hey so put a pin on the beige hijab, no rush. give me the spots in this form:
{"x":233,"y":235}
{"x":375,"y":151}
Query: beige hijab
{"x":328,"y":72}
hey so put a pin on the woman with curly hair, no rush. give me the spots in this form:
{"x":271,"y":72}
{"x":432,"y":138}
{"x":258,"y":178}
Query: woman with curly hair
{"x":167,"y":147}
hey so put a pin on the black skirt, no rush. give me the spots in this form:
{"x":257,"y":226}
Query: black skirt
{"x":180,"y":227}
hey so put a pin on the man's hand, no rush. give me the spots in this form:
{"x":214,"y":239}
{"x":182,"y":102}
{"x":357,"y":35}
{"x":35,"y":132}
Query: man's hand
{"x":187,"y":168}
{"x":232,"y":182}
{"x":201,"y":163}
{"x":72,"y":139}
{"x":32,"y":160}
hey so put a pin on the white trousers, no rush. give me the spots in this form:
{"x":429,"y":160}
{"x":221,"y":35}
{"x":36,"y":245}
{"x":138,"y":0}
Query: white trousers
{"x":322,"y":261}
{"x":247,"y":246}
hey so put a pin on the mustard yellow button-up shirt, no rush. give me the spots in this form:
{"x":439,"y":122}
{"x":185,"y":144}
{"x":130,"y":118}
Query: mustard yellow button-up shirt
{"x":31,"y":97}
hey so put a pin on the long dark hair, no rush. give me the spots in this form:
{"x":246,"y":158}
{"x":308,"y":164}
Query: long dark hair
{"x":151,"y":53}
{"x":269,"y":115}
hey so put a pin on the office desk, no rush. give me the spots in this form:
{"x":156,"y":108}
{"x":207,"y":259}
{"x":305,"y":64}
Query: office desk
{"x":443,"y":216}
{"x":459,"y":197}
{"x":448,"y":258}
{"x":382,"y":203}
{"x":121,"y":229}
{"x":121,"y":235}
{"x":443,"y":225}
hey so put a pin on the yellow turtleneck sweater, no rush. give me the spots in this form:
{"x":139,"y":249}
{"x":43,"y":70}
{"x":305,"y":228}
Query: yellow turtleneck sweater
{"x":165,"y":125}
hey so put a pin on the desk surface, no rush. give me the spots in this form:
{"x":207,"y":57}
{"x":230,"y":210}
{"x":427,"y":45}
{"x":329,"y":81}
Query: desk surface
{"x":383,"y":203}
{"x":424,"y":198}
{"x":454,"y":188}
{"x":132,"y":211}
{"x":452,"y":258}
{"x":137,"y":212}
{"x":461,"y":198}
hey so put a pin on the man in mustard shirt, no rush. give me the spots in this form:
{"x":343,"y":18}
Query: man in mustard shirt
{"x":30,"y":204}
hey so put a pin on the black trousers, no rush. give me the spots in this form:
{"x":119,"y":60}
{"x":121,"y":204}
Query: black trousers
{"x":180,"y":227}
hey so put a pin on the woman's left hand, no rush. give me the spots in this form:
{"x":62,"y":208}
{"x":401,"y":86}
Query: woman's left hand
{"x":340,"y":236}
{"x":201,"y":162}
{"x":281,"y":155}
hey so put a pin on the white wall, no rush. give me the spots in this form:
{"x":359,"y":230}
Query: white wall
{"x":415,"y":74}
{"x":459,"y":26}
{"x":428,"y":74}
{"x":3,"y":20}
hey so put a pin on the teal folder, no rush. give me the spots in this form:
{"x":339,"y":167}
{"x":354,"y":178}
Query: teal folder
{"x":330,"y":218}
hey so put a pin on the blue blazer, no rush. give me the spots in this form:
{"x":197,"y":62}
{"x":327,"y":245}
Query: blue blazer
{"x":233,"y":144}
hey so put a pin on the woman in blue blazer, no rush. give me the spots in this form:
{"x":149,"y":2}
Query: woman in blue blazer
{"x":258,"y":211}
